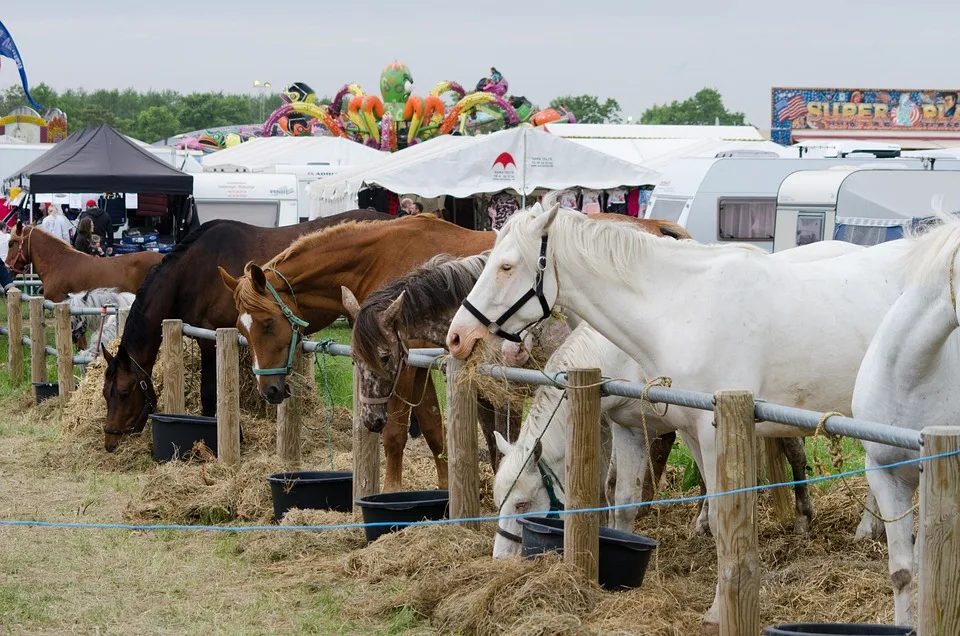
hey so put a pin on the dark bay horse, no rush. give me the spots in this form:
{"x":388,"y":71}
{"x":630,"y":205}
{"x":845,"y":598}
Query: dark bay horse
{"x":63,"y":270}
{"x":299,"y":291}
{"x":187,"y":286}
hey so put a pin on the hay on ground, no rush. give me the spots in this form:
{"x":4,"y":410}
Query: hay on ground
{"x":280,"y":547}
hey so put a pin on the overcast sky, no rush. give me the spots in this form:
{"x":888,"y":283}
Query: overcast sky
{"x":636,"y":51}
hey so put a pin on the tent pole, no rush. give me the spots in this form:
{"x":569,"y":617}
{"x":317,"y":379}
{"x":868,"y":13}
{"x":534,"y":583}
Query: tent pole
{"x":523,"y":173}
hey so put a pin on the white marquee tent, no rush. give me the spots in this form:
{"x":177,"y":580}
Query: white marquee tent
{"x":522,"y":160}
{"x":264,"y":152}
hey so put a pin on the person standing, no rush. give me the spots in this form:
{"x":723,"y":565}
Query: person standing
{"x":55,"y":224}
{"x":84,"y":239}
{"x":406,"y":207}
{"x":495,"y":75}
{"x":102,"y":224}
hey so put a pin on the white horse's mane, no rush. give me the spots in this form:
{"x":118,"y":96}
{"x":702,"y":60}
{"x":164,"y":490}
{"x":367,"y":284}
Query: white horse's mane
{"x":596,"y":245}
{"x":928,"y":258}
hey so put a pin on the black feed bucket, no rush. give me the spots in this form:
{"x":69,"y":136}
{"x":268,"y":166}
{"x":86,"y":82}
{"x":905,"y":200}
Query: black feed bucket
{"x":45,"y":390}
{"x":313,"y":490}
{"x":401,"y":507}
{"x":838,"y":629}
{"x":623,"y":556}
{"x":175,"y":435}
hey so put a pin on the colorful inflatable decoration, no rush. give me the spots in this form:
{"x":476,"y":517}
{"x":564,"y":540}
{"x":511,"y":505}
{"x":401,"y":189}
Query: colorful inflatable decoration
{"x":26,"y":124}
{"x":214,"y":139}
{"x":397,"y":118}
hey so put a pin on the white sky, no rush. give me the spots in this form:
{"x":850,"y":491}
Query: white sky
{"x":638,"y":52}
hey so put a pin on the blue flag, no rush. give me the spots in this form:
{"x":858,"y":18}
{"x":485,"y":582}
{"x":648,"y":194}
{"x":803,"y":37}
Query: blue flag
{"x":9,"y":49}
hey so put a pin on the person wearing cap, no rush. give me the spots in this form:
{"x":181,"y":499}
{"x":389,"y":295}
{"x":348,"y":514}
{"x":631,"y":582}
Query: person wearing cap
{"x":100,"y":219}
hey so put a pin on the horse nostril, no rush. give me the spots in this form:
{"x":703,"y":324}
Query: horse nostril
{"x":455,"y":340}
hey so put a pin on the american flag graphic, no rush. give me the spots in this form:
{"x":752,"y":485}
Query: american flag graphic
{"x":915,"y":114}
{"x":792,"y":108}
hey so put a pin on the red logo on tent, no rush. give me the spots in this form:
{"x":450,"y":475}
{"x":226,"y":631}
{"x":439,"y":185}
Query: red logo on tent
{"x":505,"y":159}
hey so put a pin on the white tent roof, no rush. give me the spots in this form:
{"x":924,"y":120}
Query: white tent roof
{"x":635,"y":131}
{"x":271,"y":151}
{"x":657,"y":153}
{"x":519,"y":159}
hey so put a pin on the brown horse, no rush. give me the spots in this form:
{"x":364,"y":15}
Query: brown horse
{"x":64,"y":270}
{"x":187,"y":286}
{"x":300,"y":291}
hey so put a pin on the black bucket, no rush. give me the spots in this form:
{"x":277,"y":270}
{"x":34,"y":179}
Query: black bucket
{"x":623,"y":556}
{"x":401,"y":507}
{"x":837,"y":629}
{"x":314,"y":490}
{"x":46,"y":390}
{"x":175,"y":435}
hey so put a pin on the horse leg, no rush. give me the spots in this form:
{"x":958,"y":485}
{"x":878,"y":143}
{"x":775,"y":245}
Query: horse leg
{"x":870,"y":528}
{"x":701,"y":524}
{"x":431,"y":426}
{"x":894,"y":490}
{"x":631,"y":458}
{"x":487,"y":418}
{"x":394,"y":441}
{"x":708,"y":469}
{"x":793,"y":448}
{"x":659,"y":453}
{"x":208,"y":377}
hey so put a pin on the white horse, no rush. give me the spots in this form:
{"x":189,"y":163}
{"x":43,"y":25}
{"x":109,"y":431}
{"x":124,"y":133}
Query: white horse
{"x":909,"y":378}
{"x":708,"y":316}
{"x":94,"y":299}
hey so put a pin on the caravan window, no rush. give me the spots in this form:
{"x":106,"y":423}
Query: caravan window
{"x":667,"y":209}
{"x":262,"y":213}
{"x":866,"y":235}
{"x":746,"y":219}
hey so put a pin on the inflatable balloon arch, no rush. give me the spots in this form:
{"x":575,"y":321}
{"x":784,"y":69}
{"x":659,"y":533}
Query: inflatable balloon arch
{"x":397,"y":119}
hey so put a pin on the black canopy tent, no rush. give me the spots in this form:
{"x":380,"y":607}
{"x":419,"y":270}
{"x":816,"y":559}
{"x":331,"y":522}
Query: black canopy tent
{"x":103,"y":160}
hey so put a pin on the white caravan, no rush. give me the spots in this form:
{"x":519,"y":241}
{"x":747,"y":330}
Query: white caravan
{"x":859,"y":205}
{"x":267,"y":200}
{"x":734,"y":199}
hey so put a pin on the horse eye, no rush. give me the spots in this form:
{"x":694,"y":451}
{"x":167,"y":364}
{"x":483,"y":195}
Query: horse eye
{"x":506,"y":267}
{"x":522,"y":506}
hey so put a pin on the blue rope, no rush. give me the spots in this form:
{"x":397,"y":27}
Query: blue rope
{"x":443,"y":522}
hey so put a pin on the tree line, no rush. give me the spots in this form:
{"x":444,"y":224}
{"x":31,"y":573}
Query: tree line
{"x":154,"y":115}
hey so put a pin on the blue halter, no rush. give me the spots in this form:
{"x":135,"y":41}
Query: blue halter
{"x":295,"y":325}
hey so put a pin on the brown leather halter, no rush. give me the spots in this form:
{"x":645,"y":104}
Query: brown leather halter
{"x":22,"y":259}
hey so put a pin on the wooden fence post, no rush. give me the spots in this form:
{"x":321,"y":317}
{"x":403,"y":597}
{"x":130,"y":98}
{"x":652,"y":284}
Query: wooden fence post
{"x":462,"y":454}
{"x":228,"y":396}
{"x":122,"y":315}
{"x":581,"y":532}
{"x":366,"y":451}
{"x":38,"y":341}
{"x":939,"y":587}
{"x":15,"y":335}
{"x":776,"y":470}
{"x":738,"y":563}
{"x":288,"y":411}
{"x":172,"y":364}
{"x":64,"y":340}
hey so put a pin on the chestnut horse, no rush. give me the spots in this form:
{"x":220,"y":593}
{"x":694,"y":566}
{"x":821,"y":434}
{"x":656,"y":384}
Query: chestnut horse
{"x":186,"y":286}
{"x":298,"y":292}
{"x":63,"y":270}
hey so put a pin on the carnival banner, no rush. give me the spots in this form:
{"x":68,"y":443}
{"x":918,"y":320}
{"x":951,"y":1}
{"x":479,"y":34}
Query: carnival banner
{"x":9,"y":49}
{"x":858,"y":109}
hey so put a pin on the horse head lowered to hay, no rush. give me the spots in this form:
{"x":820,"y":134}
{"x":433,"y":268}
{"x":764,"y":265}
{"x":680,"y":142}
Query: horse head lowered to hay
{"x":187,"y":286}
{"x":707,"y":316}
{"x":64,"y":270}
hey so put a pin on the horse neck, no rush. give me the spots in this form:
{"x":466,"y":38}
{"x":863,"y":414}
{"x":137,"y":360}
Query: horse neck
{"x":46,"y":252}
{"x":156,"y":303}
{"x":549,"y":410}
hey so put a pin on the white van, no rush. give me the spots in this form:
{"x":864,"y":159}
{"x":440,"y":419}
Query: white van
{"x":859,"y":205}
{"x":267,"y":200}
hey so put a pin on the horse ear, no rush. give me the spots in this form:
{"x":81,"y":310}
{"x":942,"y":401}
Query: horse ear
{"x":503,"y":445}
{"x":349,"y":302}
{"x":536,"y":209}
{"x":391,"y":313}
{"x":228,"y":280}
{"x":106,"y":354}
{"x":544,"y":221}
{"x":257,"y":277}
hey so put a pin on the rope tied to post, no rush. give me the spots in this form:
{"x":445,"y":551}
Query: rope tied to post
{"x":322,"y":351}
{"x":838,"y":458}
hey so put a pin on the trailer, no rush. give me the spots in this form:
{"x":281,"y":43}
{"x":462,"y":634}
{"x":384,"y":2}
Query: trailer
{"x":865,"y":206}
{"x":734,"y":199}
{"x":267,"y":200}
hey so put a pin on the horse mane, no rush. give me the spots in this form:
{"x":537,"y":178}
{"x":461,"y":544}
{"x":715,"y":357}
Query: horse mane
{"x":928,"y":257}
{"x":431,"y":291}
{"x":135,"y":333}
{"x":316,"y":240}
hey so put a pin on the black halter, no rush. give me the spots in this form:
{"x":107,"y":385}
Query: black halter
{"x":550,"y":482}
{"x":148,"y":404}
{"x":495,"y":326}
